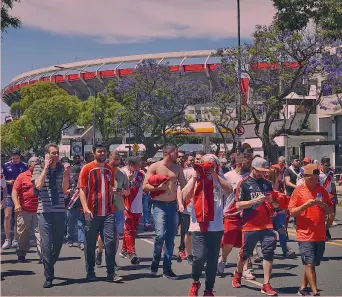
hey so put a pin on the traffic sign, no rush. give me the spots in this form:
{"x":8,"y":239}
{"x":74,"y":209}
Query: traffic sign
{"x":239,"y":130}
{"x":135,"y":147}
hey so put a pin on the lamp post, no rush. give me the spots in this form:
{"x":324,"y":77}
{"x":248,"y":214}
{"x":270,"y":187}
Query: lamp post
{"x":93,"y":89}
{"x":238,"y":105}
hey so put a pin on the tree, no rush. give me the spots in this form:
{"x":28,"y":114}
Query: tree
{"x":276,"y":63}
{"x":110,"y":114}
{"x":296,"y":15}
{"x":6,"y":19}
{"x":47,"y":111}
{"x":155,"y":100}
{"x":223,"y":98}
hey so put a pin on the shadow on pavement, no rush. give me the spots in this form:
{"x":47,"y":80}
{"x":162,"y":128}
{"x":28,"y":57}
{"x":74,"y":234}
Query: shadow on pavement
{"x":68,"y":258}
{"x":131,"y":267}
{"x":134,"y":276}
{"x":71,"y":281}
{"x":284,"y":266}
{"x":288,"y":290}
{"x":325,"y":259}
{"x":15,"y":273}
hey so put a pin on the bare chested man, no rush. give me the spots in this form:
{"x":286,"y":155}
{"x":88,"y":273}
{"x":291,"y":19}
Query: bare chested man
{"x":165,"y":206}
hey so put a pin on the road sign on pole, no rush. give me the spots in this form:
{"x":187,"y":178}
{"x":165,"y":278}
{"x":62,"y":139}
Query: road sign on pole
{"x":239,"y":130}
{"x":135,"y":147}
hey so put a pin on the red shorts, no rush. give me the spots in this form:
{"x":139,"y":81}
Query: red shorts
{"x":231,"y":236}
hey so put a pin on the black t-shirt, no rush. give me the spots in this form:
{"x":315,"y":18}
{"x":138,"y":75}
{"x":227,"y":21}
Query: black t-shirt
{"x":256,"y":217}
{"x":293,"y":179}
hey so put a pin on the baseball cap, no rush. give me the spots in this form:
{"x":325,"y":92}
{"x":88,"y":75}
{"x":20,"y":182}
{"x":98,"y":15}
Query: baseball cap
{"x":311,"y":169}
{"x":307,"y":160}
{"x":260,"y":164}
{"x":16,"y":152}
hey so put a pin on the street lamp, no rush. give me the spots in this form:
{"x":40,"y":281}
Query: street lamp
{"x":238,"y":103}
{"x":93,"y":89}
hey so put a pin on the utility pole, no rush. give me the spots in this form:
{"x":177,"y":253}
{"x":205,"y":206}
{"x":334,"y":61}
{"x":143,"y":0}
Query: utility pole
{"x":238,"y":105}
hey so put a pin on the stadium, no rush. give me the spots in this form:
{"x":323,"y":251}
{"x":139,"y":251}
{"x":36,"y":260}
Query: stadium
{"x":86,"y":78}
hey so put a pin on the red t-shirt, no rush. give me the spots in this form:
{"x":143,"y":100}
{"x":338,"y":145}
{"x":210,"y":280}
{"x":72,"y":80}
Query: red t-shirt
{"x":98,"y":183}
{"x":259,"y":216}
{"x":24,"y":187}
{"x":311,"y":222}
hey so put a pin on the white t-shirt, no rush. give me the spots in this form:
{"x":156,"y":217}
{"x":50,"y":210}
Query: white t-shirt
{"x":233,"y":178}
{"x":322,"y":177}
{"x":217,"y":223}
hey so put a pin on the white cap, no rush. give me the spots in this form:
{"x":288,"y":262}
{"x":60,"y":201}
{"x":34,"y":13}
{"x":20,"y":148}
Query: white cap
{"x":260,"y":164}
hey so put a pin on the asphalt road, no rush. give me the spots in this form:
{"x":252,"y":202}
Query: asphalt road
{"x":26,"y":279}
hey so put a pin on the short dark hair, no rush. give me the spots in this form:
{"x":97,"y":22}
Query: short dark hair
{"x":168,"y":148}
{"x":325,"y":160}
{"x":114,"y":154}
{"x":77,"y":156}
{"x":294,"y":157}
{"x":200,"y":153}
{"x":16,"y":152}
{"x":182,"y":152}
{"x":47,"y":147}
{"x":97,"y":146}
{"x":88,"y":156}
{"x":134,"y":161}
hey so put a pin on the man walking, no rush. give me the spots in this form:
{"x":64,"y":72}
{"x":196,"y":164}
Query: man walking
{"x":25,"y":206}
{"x":252,"y":194}
{"x":310,"y":203}
{"x":11,"y":170}
{"x":161,"y":180}
{"x":52,"y":181}
{"x":96,"y":184}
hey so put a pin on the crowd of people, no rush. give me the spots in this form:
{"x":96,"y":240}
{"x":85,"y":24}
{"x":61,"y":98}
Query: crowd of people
{"x":217,"y":206}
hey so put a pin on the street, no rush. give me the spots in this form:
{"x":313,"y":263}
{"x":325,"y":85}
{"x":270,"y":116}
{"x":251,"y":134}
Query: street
{"x":26,"y":279}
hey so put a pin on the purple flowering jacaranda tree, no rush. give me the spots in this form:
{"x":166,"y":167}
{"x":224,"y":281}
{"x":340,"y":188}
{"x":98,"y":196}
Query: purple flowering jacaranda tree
{"x":281,"y":66}
{"x":155,"y":100}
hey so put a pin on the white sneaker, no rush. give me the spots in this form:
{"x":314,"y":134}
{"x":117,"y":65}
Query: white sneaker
{"x":247,"y":274}
{"x":14,"y":243}
{"x":220,"y":267}
{"x":7,"y":245}
{"x":334,"y":224}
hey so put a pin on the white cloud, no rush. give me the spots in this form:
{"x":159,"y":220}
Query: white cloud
{"x":124,"y":21}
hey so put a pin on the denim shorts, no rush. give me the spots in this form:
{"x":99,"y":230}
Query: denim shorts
{"x":311,"y":252}
{"x":8,"y":202}
{"x":119,"y":221}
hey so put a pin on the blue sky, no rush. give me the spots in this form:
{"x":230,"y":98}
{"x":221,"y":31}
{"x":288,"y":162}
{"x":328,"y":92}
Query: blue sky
{"x":61,"y":31}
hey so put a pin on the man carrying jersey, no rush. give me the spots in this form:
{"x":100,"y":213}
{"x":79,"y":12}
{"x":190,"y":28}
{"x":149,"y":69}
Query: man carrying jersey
{"x":254,"y":201}
{"x":309,"y":204}
{"x":133,"y":209}
{"x":96,"y":184}
{"x":232,"y":236}
{"x":327,"y":181}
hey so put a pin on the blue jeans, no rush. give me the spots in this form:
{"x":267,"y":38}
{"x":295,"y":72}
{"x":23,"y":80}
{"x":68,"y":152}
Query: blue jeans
{"x":165,"y":217}
{"x":146,"y":208}
{"x":75,"y":226}
{"x":279,"y":222}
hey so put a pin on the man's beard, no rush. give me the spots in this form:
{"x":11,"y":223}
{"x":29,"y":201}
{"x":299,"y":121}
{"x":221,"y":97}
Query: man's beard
{"x":101,"y":159}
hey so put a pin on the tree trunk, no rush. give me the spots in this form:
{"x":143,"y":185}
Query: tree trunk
{"x":271,"y":151}
{"x":150,"y":148}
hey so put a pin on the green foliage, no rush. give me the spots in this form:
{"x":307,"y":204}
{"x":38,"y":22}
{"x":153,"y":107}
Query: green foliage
{"x":296,"y":14}
{"x":47,"y":111}
{"x":7,"y":20}
{"x":111,"y":116}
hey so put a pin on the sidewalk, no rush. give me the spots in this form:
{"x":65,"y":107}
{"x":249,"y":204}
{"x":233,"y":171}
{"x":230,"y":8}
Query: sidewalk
{"x":339,"y":194}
